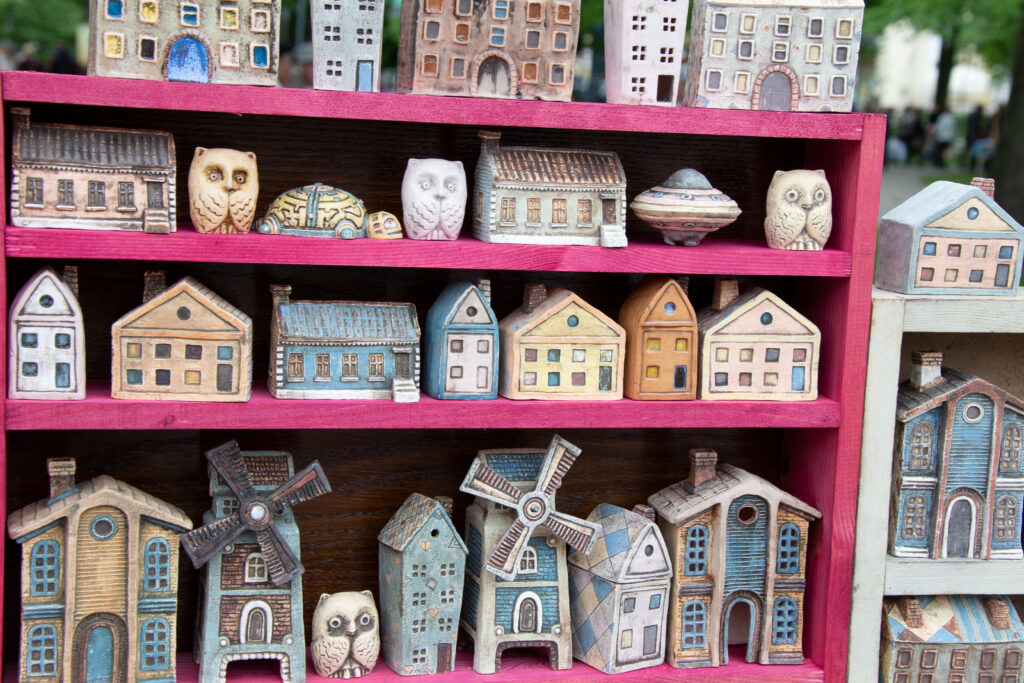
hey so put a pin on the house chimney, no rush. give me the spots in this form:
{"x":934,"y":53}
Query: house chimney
{"x":986,"y":185}
{"x":447,"y":503}
{"x":926,"y":370}
{"x":62,"y":475}
{"x":155,"y":282}
{"x":533,"y":295}
{"x":484,"y":285}
{"x":998,"y":612}
{"x":726,"y":292}
{"x":702,"y":468}
{"x":21,"y":116}
{"x":684,"y":283}
{"x":70,"y":278}
{"x":910,"y":608}
{"x":281,"y":294}
{"x":489,"y":140}
{"x":645,"y":511}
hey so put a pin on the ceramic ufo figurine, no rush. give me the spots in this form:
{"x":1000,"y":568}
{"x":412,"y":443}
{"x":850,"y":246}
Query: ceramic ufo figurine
{"x":316,"y":210}
{"x":685,"y":208}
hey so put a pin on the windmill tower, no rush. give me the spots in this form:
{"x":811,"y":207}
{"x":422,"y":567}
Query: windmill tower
{"x":516,"y":590}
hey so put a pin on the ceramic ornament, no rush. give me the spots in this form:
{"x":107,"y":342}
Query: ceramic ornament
{"x":347,"y":39}
{"x":798,"y":212}
{"x":223,"y":187}
{"x":460,"y":344}
{"x":384,"y":226}
{"x":433,"y":199}
{"x":316,"y":210}
{"x":685,"y":208}
{"x":346,"y":635}
{"x":643,"y":50}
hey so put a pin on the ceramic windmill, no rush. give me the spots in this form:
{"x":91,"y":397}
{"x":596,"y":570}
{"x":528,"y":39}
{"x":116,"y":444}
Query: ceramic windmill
{"x":522,"y":537}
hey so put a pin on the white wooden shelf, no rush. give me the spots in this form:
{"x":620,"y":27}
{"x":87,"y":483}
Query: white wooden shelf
{"x":928,"y":313}
{"x":905,"y":576}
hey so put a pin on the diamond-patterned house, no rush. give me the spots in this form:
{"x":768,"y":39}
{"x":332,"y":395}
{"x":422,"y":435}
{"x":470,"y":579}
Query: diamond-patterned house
{"x":618,"y":595}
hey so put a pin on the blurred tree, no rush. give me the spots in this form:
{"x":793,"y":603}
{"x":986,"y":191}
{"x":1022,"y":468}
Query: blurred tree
{"x":1007,"y":167}
{"x":43,"y":22}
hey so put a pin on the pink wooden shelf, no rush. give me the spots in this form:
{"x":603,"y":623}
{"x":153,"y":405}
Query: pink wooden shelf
{"x":263,"y":411}
{"x":20,"y":86}
{"x":645,"y":253}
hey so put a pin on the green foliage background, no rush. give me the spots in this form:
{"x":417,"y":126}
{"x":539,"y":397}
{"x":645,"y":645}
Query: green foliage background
{"x":41,"y":21}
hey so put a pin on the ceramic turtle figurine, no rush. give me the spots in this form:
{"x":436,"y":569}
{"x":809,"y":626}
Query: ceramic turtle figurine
{"x":316,"y":210}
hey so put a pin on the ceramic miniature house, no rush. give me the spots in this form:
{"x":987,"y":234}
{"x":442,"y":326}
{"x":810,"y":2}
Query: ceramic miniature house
{"x":959,"y":478}
{"x":951,"y":638}
{"x":99,"y":571}
{"x":184,"y":343}
{"x":422,"y":567}
{"x":661,"y":341}
{"x":46,"y":338}
{"x":619,"y":594}
{"x":199,"y":41}
{"x":950,"y":238}
{"x":343,"y":349}
{"x":523,"y":49}
{"x":460,"y":347}
{"x":643,"y":50}
{"x":756,"y":346}
{"x":557,"y":346}
{"x":65,"y":176}
{"x":774,"y":55}
{"x":739,"y":548}
{"x":347,"y":44}
{"x":527,"y":195}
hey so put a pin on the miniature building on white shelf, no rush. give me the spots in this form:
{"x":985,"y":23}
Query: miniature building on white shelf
{"x":347,"y":44}
{"x":643,"y":50}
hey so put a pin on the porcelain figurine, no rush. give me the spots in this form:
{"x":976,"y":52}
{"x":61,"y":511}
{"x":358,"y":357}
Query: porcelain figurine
{"x":384,"y":226}
{"x":950,"y":238}
{"x":685,"y":208}
{"x":798,"y":212}
{"x":347,"y":39}
{"x":316,"y":210}
{"x":88,"y":177}
{"x":96,"y":556}
{"x":223,"y":187}
{"x":422,"y":566}
{"x":460,"y":345}
{"x":433,"y":199}
{"x":643,"y":51}
{"x":705,"y":519}
{"x":346,"y":635}
{"x":529,"y":195}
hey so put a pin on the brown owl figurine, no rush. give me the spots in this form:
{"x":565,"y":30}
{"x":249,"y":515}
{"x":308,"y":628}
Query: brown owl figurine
{"x":222,"y":190}
{"x":798,"y":213}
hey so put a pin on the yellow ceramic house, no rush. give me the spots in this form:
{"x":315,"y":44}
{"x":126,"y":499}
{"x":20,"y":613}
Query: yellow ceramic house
{"x":557,"y":346}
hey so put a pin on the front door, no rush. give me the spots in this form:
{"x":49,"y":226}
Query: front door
{"x":776,"y":92}
{"x":154,"y":194}
{"x":444,"y":658}
{"x":402,"y":365}
{"x":364,"y":76}
{"x":528,"y":616}
{"x":100,"y":648}
{"x":225,"y":377}
{"x":187,"y":61}
{"x":740,"y":626}
{"x":604,"y":378}
{"x":256,"y":627}
{"x":608,"y":211}
{"x":960,"y":529}
{"x":99,"y":655}
{"x":494,"y":78}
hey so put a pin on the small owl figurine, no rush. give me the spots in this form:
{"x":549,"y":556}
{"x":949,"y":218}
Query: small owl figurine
{"x":433,"y":199}
{"x":798,"y":214}
{"x":345,"y":637}
{"x":222,"y":190}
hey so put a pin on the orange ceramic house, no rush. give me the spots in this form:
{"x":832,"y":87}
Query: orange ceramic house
{"x":661,"y":342}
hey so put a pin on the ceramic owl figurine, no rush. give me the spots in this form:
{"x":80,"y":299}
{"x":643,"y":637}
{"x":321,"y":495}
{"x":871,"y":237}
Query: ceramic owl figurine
{"x":798,"y":213}
{"x":222,"y":190}
{"x":433,"y":199}
{"x":346,"y":639}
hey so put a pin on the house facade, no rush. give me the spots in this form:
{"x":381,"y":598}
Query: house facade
{"x":422,"y":566}
{"x":518,"y":49}
{"x":88,"y":177}
{"x":528,"y":195}
{"x":950,"y":238}
{"x":343,"y":349}
{"x":643,"y":51}
{"x":762,"y":54}
{"x":461,"y":344}
{"x":958,"y":484}
{"x":347,"y":44}
{"x":739,"y":552}
{"x":46,"y":338}
{"x":99,"y":574}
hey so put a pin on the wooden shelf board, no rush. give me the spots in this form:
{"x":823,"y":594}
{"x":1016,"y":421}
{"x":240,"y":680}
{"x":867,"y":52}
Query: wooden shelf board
{"x":965,"y":314}
{"x":99,"y":411}
{"x":912,"y":576}
{"x":19,"y":86}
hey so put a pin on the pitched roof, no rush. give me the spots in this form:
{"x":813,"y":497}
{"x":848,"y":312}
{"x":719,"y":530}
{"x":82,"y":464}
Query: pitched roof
{"x":202,"y":291}
{"x":910,"y":402}
{"x":619,"y":531}
{"x":448,"y":301}
{"x":515,"y":464}
{"x":953,"y":619}
{"x":94,"y":146}
{"x":709,"y":318}
{"x":557,"y":166}
{"x":940,"y":198}
{"x":349,"y":320}
{"x":416,"y":511}
{"x":520,"y":321}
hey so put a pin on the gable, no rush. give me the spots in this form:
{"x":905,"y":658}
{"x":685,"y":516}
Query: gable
{"x":985,"y":219}
{"x":33,"y":300}
{"x":671,"y":305}
{"x":766,"y":316}
{"x":165,"y":316}
{"x":641,"y":563}
{"x":557,"y":324}
{"x":472,"y":310}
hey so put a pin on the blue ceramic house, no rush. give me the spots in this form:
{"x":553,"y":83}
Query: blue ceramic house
{"x":460,"y":344}
{"x":343,"y":349}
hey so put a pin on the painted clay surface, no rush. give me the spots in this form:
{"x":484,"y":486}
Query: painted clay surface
{"x":798,"y":211}
{"x":316,"y":210}
{"x":643,"y":50}
{"x":346,"y":636}
{"x":460,"y":345}
{"x":384,"y":226}
{"x":433,"y":199}
{"x":347,"y":39}
{"x":685,"y":208}
{"x":223,"y":187}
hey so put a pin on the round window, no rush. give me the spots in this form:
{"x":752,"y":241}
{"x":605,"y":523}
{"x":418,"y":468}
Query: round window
{"x":973,"y":412}
{"x":648,"y":550}
{"x":746,"y":514}
{"x":103,"y":527}
{"x":184,"y":313}
{"x":766,"y":318}
{"x":670,"y":307}
{"x":972,"y":213}
{"x":46,"y":301}
{"x":434,"y":533}
{"x":572,"y":321}
{"x":471,"y":311}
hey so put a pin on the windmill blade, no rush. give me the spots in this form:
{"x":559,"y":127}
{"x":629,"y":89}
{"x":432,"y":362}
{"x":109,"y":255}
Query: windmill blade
{"x":560,"y":457}
{"x":306,"y":485}
{"x":201,"y":544}
{"x":482,"y":481}
{"x":282,"y":564}
{"x":504,"y":560}
{"x":228,"y":461}
{"x":579,"y":533}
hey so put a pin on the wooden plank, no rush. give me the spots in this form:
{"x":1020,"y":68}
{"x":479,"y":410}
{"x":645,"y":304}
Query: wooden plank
{"x":926,"y":576}
{"x":968,"y":314}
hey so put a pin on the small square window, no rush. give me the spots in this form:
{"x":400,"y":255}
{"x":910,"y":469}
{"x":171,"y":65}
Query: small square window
{"x":29,"y":369}
{"x":579,"y":379}
{"x":432,"y":30}
{"x":189,"y":14}
{"x":745,"y":49}
{"x":455,"y":372}
{"x":229,"y":54}
{"x":455,"y":346}
{"x":530,"y":379}
{"x":606,"y":355}
{"x":229,"y":18}
{"x":225,"y":353}
{"x":554,"y":355}
{"x":62,"y":340}
{"x":29,"y":340}
{"x":668,"y":24}
{"x":745,"y":378}
{"x":483,"y":346}
{"x":844,"y":28}
{"x":799,"y":355}
{"x":429,"y":65}
{"x":654,"y":602}
{"x":259,"y":56}
{"x":133,"y":350}
{"x":813,"y":55}
{"x":841,"y":55}
{"x":722,"y":354}
{"x":652,"y":372}
{"x":162,"y":351}
{"x":953,"y":250}
{"x":746,"y":355}
{"x":560,"y":42}
{"x":113,"y":45}
{"x":530,"y":355}
{"x":260,"y":20}
{"x":639,"y":22}
{"x":717,"y":47}
{"x":163,"y":378}
{"x":816,"y":27}
{"x":927,"y":274}
{"x":147,"y":49}
{"x":133,"y":377}
{"x":192,"y":377}
{"x":719,"y":22}
{"x":654,"y":344}
{"x":780,"y":51}
{"x":433,"y":6}
{"x":976,"y":275}
{"x":783,"y":24}
{"x":497,"y":36}
{"x":748,"y":22}
{"x":839,"y":86}
{"x":149,"y":11}
{"x":682,"y":344}
{"x":811,"y":85}
{"x":554,"y":379}
{"x":530,"y":72}
{"x":929,"y":249}
{"x":771,"y":355}
{"x":929,"y":658}
{"x":771,"y":379}
{"x":115,"y":9}
{"x":951,"y":274}
{"x":721,"y":379}
{"x":628,"y":605}
{"x":579,"y":355}
{"x":980,"y":251}
{"x":193,"y":352}
{"x":557,"y":74}
{"x":714,"y":80}
{"x":1006,"y":252}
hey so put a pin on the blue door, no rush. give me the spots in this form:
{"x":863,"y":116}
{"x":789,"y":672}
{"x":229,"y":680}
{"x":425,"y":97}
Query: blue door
{"x":364,"y":76}
{"x":99,"y":656}
{"x":188,"y":61}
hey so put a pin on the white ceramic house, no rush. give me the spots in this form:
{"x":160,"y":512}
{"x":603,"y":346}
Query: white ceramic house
{"x":643,"y":50}
{"x":346,"y":44}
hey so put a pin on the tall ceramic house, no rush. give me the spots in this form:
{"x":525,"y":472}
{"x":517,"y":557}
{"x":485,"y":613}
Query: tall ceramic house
{"x":557,"y":346}
{"x":958,"y":477}
{"x":99,"y":593}
{"x":643,"y":50}
{"x":950,"y":238}
{"x":46,"y":338}
{"x":528,"y":195}
{"x":460,"y":345}
{"x":619,"y":593}
{"x":661,"y":341}
{"x":422,"y":567}
{"x":739,"y":551}
{"x":347,"y":44}
{"x":194,"y":40}
{"x":518,"y":49}
{"x":773,"y":55}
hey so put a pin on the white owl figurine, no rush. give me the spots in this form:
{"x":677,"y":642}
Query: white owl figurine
{"x":798,"y":213}
{"x":433,"y":199}
{"x":222,"y":190}
{"x":346,"y":639}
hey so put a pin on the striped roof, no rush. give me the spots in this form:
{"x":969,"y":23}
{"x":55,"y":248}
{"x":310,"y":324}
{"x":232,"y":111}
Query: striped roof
{"x":349,"y":321}
{"x":954,"y":619}
{"x":557,"y":166}
{"x":516,"y":465}
{"x":94,"y":146}
{"x":416,"y":511}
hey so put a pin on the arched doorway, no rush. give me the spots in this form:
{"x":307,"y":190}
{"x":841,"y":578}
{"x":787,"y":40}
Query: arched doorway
{"x":961,"y":528}
{"x":527,"y":613}
{"x":188,"y":60}
{"x":741,"y":624}
{"x":100,"y":648}
{"x":493,"y":78}
{"x":256,"y":622}
{"x":777,"y":91}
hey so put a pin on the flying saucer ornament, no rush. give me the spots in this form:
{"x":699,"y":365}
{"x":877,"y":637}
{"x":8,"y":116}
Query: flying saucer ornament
{"x":685,"y":208}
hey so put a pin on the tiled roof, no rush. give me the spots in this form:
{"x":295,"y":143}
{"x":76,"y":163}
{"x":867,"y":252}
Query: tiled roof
{"x":267,"y":469}
{"x":909,"y":399}
{"x":954,"y":619}
{"x":95,"y":146}
{"x":515,"y":465}
{"x":416,"y":511}
{"x":557,"y":166}
{"x":349,"y":320}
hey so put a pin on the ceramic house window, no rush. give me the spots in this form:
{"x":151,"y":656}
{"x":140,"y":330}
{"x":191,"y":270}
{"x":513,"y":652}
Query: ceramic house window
{"x":229,"y":54}
{"x":557,"y":76}
{"x":115,"y":9}
{"x":255,"y":568}
{"x":259,"y":56}
{"x":367,"y":6}
{"x":668,"y":55}
{"x":296,"y":367}
{"x":332,"y":34}
{"x":157,"y":562}
{"x":97,"y":198}
{"x":432,"y":30}
{"x":189,"y":14}
{"x":639,"y":22}
{"x":1009,"y":455}
{"x":364,"y":36}
{"x":713,"y":80}
{"x":1006,"y":518}
{"x":462,"y":32}
{"x":229,"y":18}
{"x":844,"y":28}
{"x":696,"y":551}
{"x":838,"y":86}
{"x":988,"y":660}
{"x":668,"y":24}
{"x":259,"y":20}
{"x":904,"y":658}
{"x":126,"y":194}
{"x":42,"y":651}
{"x":534,"y":11}
{"x":429,"y":65}
{"x":788,"y":560}
{"x":584,"y":212}
{"x":1011,"y":661}
{"x":463,"y":8}
{"x":497,"y":36}
{"x":500,"y":10}
{"x":816,"y":27}
{"x":508,"y":210}
{"x":748,"y":22}
{"x":922,"y":442}
{"x":458,"y":69}
{"x":559,"y":212}
{"x":811,"y":85}
{"x":45,"y":563}
{"x":154,"y":645}
{"x":694,"y":621}
{"x":34,"y":192}
{"x":349,"y":366}
{"x":532,"y":39}
{"x":433,"y":6}
{"x":783,"y":25}
{"x":563,"y":13}
{"x":149,"y":11}
{"x":560,"y":42}
{"x":744,"y":50}
{"x":784,"y":621}
{"x":914,"y":517}
{"x":719,"y":22}
{"x":113,"y":44}
{"x":528,"y":562}
{"x":813,"y":54}
{"x":147,"y":53}
{"x":323,"y":368}
{"x":780,"y":51}
{"x":841,"y":55}
{"x":973,"y":413}
{"x":639,"y":53}
{"x":376,"y":361}
{"x":927,"y":274}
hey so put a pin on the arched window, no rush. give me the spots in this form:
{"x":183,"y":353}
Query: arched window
{"x":154,"y":648}
{"x":42,"y":651}
{"x":922,"y":443}
{"x":784,"y":626}
{"x":528,"y":562}
{"x":255,"y":568}
{"x":157,"y":559}
{"x":1009,"y":456}
{"x":788,"y":560}
{"x":694,"y":618}
{"x":696,"y":551}
{"x":256,"y":623}
{"x":1006,"y":518}
{"x":914,"y":517}
{"x":45,"y":563}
